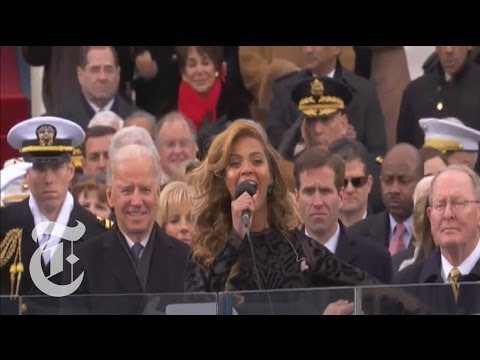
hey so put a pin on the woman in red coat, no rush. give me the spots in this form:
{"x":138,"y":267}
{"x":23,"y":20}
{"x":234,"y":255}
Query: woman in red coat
{"x":205,"y":96}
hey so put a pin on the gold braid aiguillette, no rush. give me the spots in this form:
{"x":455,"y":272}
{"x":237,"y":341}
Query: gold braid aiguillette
{"x":11,"y":246}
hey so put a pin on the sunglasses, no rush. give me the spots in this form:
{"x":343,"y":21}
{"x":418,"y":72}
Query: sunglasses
{"x":356,"y":182}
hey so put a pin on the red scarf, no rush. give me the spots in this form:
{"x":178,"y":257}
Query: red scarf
{"x":194,"y":106}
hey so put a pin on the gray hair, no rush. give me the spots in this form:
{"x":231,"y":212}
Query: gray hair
{"x":176,"y":116}
{"x":461,"y":168}
{"x":142,"y":114}
{"x":133,"y":151}
{"x":106,"y":118}
{"x":131,"y":135}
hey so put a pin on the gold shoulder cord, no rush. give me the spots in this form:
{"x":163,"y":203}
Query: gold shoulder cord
{"x":11,"y":246}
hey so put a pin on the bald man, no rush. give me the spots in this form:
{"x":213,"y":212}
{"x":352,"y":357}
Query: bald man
{"x":401,"y":170}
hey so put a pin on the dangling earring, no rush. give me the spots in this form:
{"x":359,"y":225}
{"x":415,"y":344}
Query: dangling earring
{"x":271,"y":187}
{"x":216,"y":74}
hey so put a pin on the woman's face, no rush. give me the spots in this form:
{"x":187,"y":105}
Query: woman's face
{"x":199,"y":71}
{"x":90,"y":201}
{"x":248,"y":162}
{"x":179,"y":223}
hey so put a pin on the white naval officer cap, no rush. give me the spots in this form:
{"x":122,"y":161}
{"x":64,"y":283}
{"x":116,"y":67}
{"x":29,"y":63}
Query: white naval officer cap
{"x":46,"y":139}
{"x":449,"y":135}
{"x":12,"y":187}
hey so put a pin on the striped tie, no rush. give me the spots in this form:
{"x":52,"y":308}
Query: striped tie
{"x":453,"y":280}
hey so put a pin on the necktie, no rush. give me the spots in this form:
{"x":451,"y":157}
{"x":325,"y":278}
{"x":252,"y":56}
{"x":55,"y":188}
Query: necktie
{"x":453,"y":280}
{"x":136,"y":251}
{"x":397,"y":244}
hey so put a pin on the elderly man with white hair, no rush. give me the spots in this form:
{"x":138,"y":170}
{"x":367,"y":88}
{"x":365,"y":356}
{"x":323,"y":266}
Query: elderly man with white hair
{"x":454,"y":214}
{"x":136,"y":256}
{"x":177,"y":145}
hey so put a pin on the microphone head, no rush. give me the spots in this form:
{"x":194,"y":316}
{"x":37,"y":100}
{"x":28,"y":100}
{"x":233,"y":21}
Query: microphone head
{"x":246,"y":186}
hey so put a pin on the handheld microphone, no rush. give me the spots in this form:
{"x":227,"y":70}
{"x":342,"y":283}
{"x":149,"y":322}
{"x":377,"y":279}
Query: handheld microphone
{"x":250,"y":188}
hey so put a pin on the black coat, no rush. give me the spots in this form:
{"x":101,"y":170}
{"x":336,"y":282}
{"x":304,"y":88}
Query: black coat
{"x":159,"y":95}
{"x":364,"y":112}
{"x":365,"y":255}
{"x":440,"y":299}
{"x":376,"y":228}
{"x":18,"y":215}
{"x":108,"y":270}
{"x":80,"y":112}
{"x":460,"y":99}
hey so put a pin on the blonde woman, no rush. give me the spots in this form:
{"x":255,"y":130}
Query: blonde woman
{"x":175,"y":204}
{"x":424,"y":244}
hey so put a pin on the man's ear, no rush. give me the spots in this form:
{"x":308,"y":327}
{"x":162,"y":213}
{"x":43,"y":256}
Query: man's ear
{"x":341,"y":195}
{"x":303,"y":129}
{"x":344,"y":123}
{"x":70,"y":171}
{"x":296,"y":196}
{"x":108,"y":190}
{"x":370,"y":183}
{"x":80,"y":75}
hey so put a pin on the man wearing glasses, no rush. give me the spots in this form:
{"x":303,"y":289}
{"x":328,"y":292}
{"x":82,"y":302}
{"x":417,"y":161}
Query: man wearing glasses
{"x":454,"y":213}
{"x":358,"y":181}
{"x":319,"y":193}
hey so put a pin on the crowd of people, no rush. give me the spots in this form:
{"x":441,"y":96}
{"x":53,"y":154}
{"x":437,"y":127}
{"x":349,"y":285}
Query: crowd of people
{"x":184,"y":186}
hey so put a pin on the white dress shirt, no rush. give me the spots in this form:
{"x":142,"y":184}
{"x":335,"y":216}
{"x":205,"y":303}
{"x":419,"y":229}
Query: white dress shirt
{"x":62,"y":219}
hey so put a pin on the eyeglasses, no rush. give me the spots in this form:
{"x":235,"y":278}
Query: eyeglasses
{"x":456,"y":205}
{"x":357,"y":182}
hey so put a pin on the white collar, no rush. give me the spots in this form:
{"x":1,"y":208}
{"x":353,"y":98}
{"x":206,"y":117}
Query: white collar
{"x":130,"y":243}
{"x":408,"y":225}
{"x":62,"y":220}
{"x":465,"y":267}
{"x":105,"y":108}
{"x":331,"y":243}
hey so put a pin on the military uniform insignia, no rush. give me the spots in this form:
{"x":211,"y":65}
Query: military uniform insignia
{"x":46,"y":135}
{"x":77,"y":158}
{"x":11,"y":247}
{"x":379,"y":160}
{"x":317,"y":88}
{"x":321,"y":97}
{"x":106,"y":223}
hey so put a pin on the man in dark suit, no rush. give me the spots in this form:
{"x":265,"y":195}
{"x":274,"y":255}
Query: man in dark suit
{"x":401,"y":170}
{"x":319,"y":178}
{"x":454,"y":214}
{"x":451,"y":89}
{"x":135,"y":257}
{"x":363,"y":113}
{"x":360,"y":184}
{"x":98,"y":73}
{"x":47,"y":143}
